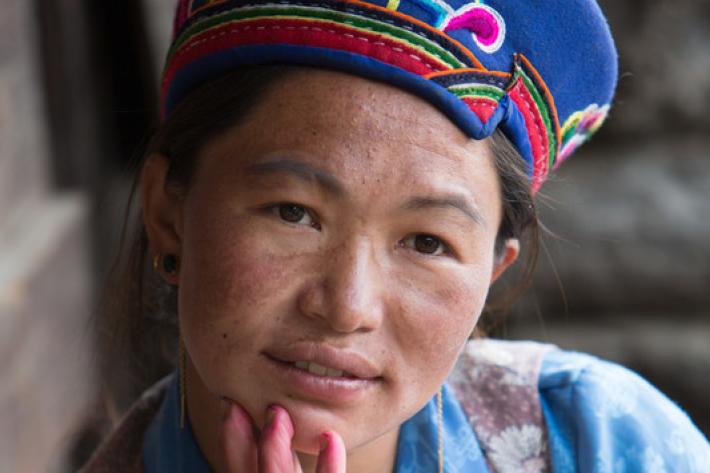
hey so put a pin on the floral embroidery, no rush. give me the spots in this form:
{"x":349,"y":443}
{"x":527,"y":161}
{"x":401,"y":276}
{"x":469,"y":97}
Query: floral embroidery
{"x":486,"y":25}
{"x":497,"y":385}
{"x":579,"y":127}
{"x":518,"y":450}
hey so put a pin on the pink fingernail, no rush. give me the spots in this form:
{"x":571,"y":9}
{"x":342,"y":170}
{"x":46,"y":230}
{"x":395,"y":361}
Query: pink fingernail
{"x":224,"y":406}
{"x":324,"y":441}
{"x":270,"y":415}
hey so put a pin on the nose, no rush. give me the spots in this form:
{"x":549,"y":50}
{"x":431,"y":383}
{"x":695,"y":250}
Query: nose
{"x":348,"y":295}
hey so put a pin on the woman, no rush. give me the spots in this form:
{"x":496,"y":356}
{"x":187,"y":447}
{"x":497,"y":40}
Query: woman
{"x":333,"y":190}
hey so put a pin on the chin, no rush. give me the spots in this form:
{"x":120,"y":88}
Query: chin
{"x":306,"y":442}
{"x":308,"y":427}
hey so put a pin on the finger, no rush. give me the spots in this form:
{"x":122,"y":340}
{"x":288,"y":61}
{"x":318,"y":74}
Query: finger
{"x":237,"y":439}
{"x":332,"y":456}
{"x":275,"y":452}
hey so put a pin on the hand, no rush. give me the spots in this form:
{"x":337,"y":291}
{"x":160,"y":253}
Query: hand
{"x":273,"y":451}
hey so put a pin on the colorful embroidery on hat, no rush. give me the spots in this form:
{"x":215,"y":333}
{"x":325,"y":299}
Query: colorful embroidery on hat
{"x":421,"y":45}
{"x":486,"y":25}
{"x":579,"y":127}
{"x":535,"y":104}
{"x":437,"y":9}
{"x":482,"y":99}
{"x":271,"y":24}
{"x":408,"y":36}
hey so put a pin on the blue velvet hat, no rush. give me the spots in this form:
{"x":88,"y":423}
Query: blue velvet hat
{"x":542,"y":71}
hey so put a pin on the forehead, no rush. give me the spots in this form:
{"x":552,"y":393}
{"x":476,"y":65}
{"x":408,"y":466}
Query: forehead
{"x":361,"y":131}
{"x":372,"y":113}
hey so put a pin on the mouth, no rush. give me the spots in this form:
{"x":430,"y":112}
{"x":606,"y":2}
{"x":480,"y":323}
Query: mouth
{"x":326,"y":361}
{"x":324,"y":374}
{"x":315,"y":369}
{"x":320,"y":370}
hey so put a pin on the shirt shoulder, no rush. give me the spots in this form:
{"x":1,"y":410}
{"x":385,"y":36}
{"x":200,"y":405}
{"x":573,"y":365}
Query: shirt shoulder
{"x":121,"y":451}
{"x":603,"y":417}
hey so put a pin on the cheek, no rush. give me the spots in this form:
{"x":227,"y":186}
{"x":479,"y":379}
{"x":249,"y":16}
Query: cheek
{"x":436,"y":322}
{"x":234,"y":289}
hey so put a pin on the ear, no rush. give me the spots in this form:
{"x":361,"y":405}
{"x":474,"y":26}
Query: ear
{"x":510,"y":253}
{"x":161,"y":212}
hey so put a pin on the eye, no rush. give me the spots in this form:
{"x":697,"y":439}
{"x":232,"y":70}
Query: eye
{"x":426,"y":244}
{"x":294,"y":213}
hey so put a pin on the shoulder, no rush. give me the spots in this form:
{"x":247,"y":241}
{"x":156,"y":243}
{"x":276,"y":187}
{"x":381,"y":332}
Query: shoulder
{"x":499,"y":362}
{"x":581,"y":412}
{"x":496,"y":384}
{"x":603,"y":414}
{"x":121,"y":451}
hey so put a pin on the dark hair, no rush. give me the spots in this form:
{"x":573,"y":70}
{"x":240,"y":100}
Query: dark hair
{"x":138,"y":328}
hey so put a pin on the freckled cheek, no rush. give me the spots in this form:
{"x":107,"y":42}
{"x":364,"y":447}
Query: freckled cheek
{"x":437,"y":325}
{"x":233,"y":282}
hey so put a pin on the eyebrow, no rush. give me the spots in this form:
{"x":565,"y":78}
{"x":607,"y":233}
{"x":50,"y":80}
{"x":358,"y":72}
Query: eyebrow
{"x":330,"y":183}
{"x":300,"y":170}
{"x":454,"y":201}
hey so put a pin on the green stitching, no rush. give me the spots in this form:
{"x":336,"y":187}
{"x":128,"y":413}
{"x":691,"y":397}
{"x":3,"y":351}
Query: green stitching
{"x":468,"y":90}
{"x":356,"y":22}
{"x":544,"y":113}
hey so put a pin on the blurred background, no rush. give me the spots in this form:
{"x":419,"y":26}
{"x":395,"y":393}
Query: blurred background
{"x":624,"y":274}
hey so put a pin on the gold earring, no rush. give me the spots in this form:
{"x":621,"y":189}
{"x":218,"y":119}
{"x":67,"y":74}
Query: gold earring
{"x":181,"y":375}
{"x":440,"y":428}
{"x":156,"y":261}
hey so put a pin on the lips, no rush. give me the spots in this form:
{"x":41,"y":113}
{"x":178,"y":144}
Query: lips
{"x":325,"y":360}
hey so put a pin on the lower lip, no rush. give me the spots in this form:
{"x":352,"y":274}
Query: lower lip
{"x":323,"y":388}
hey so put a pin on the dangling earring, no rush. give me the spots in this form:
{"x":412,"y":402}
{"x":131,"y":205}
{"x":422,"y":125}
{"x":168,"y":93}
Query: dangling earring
{"x":181,"y":380}
{"x":440,"y":428}
{"x":171,"y":266}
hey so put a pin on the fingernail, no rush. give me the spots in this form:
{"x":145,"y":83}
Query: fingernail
{"x":324,"y":441}
{"x":270,"y":415}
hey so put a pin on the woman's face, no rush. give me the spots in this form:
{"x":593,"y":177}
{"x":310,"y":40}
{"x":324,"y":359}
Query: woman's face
{"x":345,"y":223}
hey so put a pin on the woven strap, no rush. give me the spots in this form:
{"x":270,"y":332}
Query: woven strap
{"x":496,"y":383}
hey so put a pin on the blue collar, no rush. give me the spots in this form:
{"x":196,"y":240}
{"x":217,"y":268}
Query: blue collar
{"x":167,"y":448}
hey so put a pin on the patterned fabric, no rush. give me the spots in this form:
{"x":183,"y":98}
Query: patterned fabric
{"x":603,"y":418}
{"x":417,"y":450}
{"x":496,"y":383}
{"x":542,"y":72}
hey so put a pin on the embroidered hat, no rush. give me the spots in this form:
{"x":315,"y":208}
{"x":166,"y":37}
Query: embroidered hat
{"x":542,"y":71}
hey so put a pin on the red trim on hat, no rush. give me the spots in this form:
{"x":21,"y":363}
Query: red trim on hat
{"x":483,"y":107}
{"x":300,"y":32}
{"x":537,"y":133}
{"x":548,"y":95}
